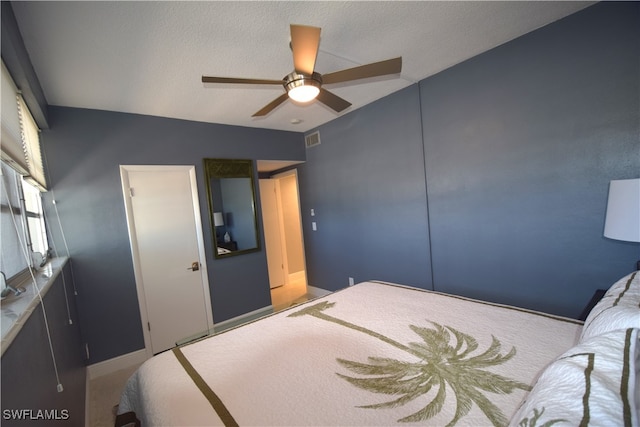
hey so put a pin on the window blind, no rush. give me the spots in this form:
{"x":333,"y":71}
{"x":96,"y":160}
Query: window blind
{"x":11,"y":143}
{"x":20,"y":143}
{"x":31,"y":146}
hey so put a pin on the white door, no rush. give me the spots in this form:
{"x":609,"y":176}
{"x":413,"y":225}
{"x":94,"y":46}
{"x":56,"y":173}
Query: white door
{"x":163,"y":215}
{"x":272,"y":232}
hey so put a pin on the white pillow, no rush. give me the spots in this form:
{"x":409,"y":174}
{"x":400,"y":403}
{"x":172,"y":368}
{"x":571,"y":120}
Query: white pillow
{"x":618,"y":309}
{"x":593,"y":383}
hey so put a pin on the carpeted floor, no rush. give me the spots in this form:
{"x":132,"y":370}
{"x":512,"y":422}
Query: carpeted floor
{"x":104,"y":395}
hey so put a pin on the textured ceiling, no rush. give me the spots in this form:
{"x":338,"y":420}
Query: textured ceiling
{"x":148,"y":57}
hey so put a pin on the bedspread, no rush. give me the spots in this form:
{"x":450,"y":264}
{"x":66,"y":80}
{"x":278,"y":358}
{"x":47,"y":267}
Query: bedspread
{"x":372,"y":354}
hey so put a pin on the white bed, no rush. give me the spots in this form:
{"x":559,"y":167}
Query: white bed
{"x":385,"y":354}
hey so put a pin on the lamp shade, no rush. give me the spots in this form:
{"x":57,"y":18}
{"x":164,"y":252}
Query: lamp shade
{"x":623,"y":210}
{"x":218,"y":219}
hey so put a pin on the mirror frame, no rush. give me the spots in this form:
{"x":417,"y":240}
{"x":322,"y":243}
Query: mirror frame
{"x":230,"y":168}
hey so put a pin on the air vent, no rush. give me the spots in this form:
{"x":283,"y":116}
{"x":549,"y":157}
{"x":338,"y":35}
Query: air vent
{"x":312,"y":139}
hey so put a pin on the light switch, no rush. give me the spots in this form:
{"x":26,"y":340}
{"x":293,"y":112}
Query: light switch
{"x":313,"y":226}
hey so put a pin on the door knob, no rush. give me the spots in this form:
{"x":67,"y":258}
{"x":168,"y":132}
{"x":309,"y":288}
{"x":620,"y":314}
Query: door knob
{"x":195,"y":266}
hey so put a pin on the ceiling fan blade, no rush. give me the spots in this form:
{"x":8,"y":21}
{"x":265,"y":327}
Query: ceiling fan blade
{"x":382,"y":68}
{"x":208,"y":79}
{"x":305,"y":42}
{"x":332,"y":100}
{"x":270,"y":106}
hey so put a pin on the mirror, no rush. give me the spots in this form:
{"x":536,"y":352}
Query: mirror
{"x":232,"y":206}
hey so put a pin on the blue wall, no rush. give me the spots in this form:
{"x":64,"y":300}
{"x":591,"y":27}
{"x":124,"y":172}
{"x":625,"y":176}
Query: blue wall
{"x":518,"y":146}
{"x":521,"y":144}
{"x":365,"y":182}
{"x":84,"y":149}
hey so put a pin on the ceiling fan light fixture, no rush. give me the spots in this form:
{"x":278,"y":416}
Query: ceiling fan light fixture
{"x":302,"y":88}
{"x":304,"y":93}
{"x":304,"y":85}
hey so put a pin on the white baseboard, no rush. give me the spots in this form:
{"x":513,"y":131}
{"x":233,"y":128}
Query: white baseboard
{"x":112,"y":365}
{"x":137,"y":357}
{"x":244,"y":318}
{"x":317,"y":292}
{"x":86,"y":398}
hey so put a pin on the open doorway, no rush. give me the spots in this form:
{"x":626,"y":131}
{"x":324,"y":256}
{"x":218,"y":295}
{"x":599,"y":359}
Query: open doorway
{"x":284,"y":242}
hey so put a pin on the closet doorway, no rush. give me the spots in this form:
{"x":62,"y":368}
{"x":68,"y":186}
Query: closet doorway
{"x":284,"y":241}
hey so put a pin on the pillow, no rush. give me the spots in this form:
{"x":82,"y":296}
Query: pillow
{"x":593,"y":383}
{"x":618,"y":309}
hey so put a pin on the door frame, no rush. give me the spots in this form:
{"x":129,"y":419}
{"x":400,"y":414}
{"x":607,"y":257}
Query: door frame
{"x":278,"y":176}
{"x":124,"y":175}
{"x":269,"y":247}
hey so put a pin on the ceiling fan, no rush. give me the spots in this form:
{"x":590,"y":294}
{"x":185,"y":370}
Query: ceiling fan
{"x":304,"y":84}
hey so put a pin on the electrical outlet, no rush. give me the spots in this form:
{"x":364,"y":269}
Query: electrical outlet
{"x":351,"y":282}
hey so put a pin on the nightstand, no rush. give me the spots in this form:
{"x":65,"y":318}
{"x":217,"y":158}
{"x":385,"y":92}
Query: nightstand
{"x":597,"y":296}
{"x":232,"y":245}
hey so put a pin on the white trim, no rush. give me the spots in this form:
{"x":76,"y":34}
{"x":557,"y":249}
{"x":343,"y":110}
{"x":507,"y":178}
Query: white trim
{"x":87,"y":401}
{"x":286,"y":173}
{"x":201,"y":253}
{"x":142,"y":302}
{"x":281,"y":229}
{"x":317,"y":292}
{"x":243,"y":318}
{"x":124,"y":174}
{"x":117,"y":363}
{"x":276,"y":256}
{"x":278,"y":177}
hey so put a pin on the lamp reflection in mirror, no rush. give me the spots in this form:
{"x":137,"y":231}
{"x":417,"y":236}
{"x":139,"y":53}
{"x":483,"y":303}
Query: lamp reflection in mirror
{"x":623,"y":211}
{"x":218,"y":221}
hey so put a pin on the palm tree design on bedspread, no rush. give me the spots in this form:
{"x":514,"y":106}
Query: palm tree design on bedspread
{"x":445,"y":358}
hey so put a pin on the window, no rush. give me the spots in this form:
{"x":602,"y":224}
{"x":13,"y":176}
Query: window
{"x":12,"y":224}
{"x":21,"y":224}
{"x":35,"y":218}
{"x":22,"y":227}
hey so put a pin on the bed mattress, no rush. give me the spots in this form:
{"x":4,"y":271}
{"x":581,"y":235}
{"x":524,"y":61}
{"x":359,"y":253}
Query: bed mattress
{"x":372,"y":354}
